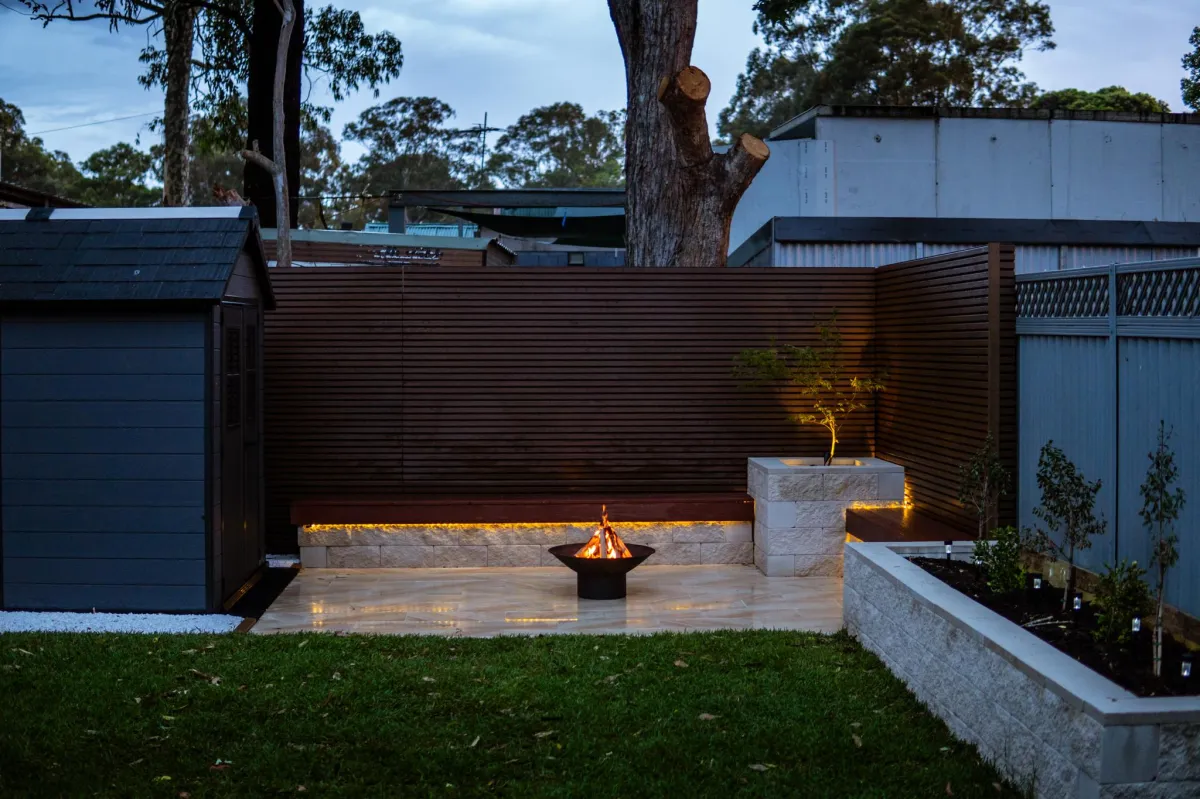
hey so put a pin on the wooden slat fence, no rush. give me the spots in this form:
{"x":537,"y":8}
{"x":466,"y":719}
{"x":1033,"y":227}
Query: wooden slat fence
{"x":946,"y":336}
{"x":417,"y":381}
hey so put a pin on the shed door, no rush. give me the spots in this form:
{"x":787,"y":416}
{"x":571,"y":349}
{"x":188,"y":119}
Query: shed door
{"x":240,"y":536}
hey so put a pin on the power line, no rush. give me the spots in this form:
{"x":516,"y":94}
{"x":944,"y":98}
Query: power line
{"x":97,"y":122}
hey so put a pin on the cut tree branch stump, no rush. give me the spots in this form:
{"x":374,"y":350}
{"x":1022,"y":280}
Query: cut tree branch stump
{"x":684,"y":97}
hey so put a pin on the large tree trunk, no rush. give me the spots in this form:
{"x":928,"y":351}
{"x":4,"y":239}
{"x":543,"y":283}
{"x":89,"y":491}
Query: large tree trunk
{"x":179,"y":21}
{"x":258,"y":186}
{"x":680,"y":195}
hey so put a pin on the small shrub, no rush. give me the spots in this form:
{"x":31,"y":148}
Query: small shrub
{"x":1121,"y":595}
{"x":1001,"y":560}
{"x":1160,"y":510}
{"x":1068,"y":509}
{"x":983,"y":480}
{"x":817,"y":371}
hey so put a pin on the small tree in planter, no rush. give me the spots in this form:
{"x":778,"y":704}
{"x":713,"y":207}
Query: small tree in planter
{"x":1160,"y":510}
{"x":818,"y":373}
{"x":1068,"y":509}
{"x":983,"y":480}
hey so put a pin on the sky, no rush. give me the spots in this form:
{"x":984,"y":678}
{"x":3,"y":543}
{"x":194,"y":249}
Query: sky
{"x":505,"y":57}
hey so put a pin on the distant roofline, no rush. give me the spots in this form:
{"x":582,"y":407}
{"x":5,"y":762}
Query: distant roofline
{"x":508,"y":198}
{"x":67,"y":214}
{"x":368,"y":239}
{"x":33,"y":198}
{"x":803,"y":126}
{"x":965,"y":231}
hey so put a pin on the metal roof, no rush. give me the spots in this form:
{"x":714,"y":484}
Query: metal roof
{"x":126,"y":255}
{"x":803,"y":126}
{"x":372,"y":239}
{"x":510,"y":198}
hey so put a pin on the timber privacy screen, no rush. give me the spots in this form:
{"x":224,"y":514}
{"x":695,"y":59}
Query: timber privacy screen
{"x":418,"y":382}
{"x":1105,"y":353}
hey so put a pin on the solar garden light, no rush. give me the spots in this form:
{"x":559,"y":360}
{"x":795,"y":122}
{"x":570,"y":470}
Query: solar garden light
{"x":1185,"y":666}
{"x":1137,"y":624}
{"x":949,"y":549}
{"x":1036,"y":580}
{"x":1078,"y":601}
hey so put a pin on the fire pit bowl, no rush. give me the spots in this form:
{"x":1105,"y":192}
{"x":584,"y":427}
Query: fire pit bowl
{"x":601,"y":578}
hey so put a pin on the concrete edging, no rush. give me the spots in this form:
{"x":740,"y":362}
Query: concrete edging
{"x":1049,"y":723}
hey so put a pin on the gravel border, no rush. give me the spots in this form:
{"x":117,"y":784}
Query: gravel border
{"x":18,"y":621}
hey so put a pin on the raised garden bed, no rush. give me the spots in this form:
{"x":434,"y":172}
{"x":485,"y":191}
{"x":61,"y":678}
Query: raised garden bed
{"x":1072,"y":632}
{"x":1054,"y":726}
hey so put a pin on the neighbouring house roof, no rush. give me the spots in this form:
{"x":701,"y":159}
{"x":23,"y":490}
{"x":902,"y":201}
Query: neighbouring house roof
{"x":360,"y":248}
{"x":967,"y":232}
{"x":368,"y":238}
{"x":803,"y":126}
{"x":510,"y":198}
{"x":14,"y":196}
{"x":126,"y":254}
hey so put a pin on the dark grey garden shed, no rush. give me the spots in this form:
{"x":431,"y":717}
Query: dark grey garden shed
{"x":130,"y":407}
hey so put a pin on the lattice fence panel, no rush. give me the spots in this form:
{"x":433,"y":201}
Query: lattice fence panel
{"x":1063,"y":298}
{"x":1172,"y":293}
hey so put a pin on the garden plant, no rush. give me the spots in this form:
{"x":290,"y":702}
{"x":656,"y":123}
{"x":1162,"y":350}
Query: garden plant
{"x":983,"y":480}
{"x":818,"y":372}
{"x":1068,"y":511}
{"x":1160,"y":511}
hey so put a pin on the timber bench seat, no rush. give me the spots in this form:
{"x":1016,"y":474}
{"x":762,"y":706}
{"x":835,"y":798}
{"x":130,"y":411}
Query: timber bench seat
{"x":725,"y":507}
{"x":892,"y":525}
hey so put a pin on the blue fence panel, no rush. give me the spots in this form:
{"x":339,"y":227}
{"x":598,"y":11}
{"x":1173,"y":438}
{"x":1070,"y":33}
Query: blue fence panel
{"x":1159,"y":380}
{"x":1065,"y":396}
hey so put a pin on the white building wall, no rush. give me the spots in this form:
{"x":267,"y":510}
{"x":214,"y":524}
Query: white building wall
{"x":979,"y":168}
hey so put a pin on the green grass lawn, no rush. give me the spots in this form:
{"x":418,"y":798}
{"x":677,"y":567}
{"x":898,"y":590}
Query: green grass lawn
{"x":713,"y":714}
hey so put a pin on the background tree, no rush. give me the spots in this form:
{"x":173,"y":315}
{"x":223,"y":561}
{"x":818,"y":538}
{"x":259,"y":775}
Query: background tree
{"x":560,"y":146}
{"x":890,"y":52}
{"x":1190,"y":85}
{"x":1110,"y":98}
{"x":774,"y":88}
{"x":1161,"y":505}
{"x":213,"y":79}
{"x":277,"y":167}
{"x":680,"y":195}
{"x":118,"y":177}
{"x":26,"y":161}
{"x":322,"y":173}
{"x":410,"y":145}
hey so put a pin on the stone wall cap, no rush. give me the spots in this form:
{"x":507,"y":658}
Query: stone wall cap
{"x":1074,"y":682}
{"x":813,"y":465}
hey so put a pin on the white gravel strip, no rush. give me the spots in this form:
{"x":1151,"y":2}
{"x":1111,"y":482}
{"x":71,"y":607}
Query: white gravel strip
{"x":19,"y":621}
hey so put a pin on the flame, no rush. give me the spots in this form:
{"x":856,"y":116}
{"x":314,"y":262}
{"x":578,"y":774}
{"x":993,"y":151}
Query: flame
{"x":605,"y":543}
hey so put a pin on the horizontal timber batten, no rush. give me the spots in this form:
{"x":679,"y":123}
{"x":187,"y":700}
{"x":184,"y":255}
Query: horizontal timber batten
{"x":482,"y":510}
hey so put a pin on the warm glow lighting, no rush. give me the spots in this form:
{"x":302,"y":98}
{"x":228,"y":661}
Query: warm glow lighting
{"x":605,"y":543}
{"x":551,"y":528}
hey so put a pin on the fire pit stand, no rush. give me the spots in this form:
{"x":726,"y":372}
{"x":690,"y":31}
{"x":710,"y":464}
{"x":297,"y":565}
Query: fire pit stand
{"x":601,"y":578}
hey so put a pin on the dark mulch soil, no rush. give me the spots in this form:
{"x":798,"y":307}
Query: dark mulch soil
{"x":1130,"y":666}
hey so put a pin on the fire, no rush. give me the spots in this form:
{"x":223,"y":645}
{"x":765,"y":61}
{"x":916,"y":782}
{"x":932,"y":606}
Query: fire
{"x":605,"y":543}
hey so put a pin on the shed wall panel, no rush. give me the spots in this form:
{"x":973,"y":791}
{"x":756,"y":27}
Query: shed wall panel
{"x":100,"y":417}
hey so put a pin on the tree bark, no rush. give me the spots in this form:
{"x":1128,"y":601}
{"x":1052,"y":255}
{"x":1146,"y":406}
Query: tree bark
{"x":680,"y":195}
{"x":276,"y":168}
{"x":257,"y":186}
{"x":179,"y":21}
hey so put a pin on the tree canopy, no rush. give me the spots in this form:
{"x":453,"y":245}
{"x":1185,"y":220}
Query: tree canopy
{"x":887,"y":52}
{"x":561,"y":146}
{"x":1190,"y":84}
{"x":1110,"y":98}
{"x":26,"y":161}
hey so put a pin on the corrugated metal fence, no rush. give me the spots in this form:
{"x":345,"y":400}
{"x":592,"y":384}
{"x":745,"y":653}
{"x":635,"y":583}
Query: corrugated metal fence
{"x":1104,"y":354}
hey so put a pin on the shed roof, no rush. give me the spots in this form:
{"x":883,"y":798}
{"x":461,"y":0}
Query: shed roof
{"x":126,"y":255}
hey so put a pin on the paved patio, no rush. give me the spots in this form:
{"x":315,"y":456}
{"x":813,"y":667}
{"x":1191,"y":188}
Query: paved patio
{"x":533,"y":601}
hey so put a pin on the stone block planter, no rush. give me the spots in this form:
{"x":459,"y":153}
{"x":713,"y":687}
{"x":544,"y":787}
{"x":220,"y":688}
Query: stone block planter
{"x":1052,"y":725}
{"x":415,"y":546}
{"x":800,"y":509}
